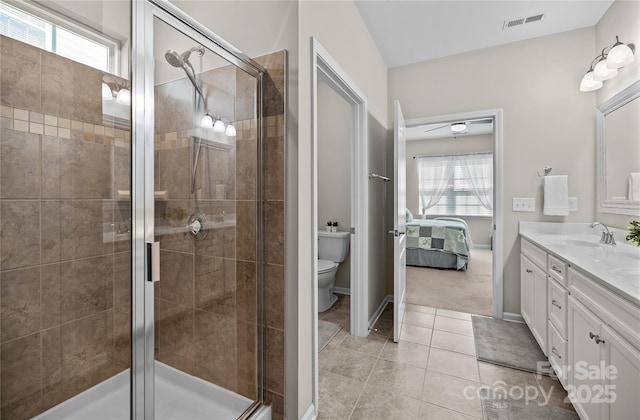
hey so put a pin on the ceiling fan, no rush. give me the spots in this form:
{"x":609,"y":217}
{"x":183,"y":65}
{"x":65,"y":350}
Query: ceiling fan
{"x":461,"y":126}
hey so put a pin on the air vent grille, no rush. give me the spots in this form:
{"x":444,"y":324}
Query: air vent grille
{"x":510,"y":23}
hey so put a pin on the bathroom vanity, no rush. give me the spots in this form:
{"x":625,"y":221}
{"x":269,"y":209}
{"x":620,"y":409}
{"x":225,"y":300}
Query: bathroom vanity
{"x":581,"y":300}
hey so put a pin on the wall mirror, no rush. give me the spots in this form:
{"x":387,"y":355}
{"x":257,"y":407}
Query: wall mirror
{"x":618,"y":159}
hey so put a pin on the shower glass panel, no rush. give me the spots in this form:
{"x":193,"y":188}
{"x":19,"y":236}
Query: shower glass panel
{"x":65,"y":239}
{"x":206,"y":326}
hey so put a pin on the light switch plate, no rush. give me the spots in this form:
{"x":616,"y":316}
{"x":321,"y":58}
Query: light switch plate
{"x":573,"y":204}
{"x":524,"y":204}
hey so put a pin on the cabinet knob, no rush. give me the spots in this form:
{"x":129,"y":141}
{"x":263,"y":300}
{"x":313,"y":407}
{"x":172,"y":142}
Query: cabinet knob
{"x":529,"y":271}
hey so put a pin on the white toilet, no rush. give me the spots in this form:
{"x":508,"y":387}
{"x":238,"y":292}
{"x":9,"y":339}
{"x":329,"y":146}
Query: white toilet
{"x":333,"y":248}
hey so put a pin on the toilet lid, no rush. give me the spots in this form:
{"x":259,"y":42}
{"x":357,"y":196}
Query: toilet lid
{"x":325,"y":265}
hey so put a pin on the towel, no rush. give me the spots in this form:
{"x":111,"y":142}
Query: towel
{"x":634,"y":186}
{"x":556,"y":195}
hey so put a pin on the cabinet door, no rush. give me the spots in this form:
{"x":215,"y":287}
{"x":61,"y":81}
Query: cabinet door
{"x":526,"y":290}
{"x":622,"y":380}
{"x":540,"y":313}
{"x":585,"y":356}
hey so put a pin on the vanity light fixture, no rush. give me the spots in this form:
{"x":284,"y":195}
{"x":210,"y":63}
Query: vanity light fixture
{"x":114,"y":90}
{"x":230,"y":131}
{"x":218,"y":126}
{"x":206,"y":121}
{"x":607,"y":65}
{"x":458,"y":127}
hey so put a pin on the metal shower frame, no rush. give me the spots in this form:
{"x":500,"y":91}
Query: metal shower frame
{"x":143,"y":13}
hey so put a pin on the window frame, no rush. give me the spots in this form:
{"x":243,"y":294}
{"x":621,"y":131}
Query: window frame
{"x":57,"y":20}
{"x":452,"y":205}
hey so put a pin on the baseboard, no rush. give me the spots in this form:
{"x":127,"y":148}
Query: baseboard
{"x":378,"y":312}
{"x":309,"y":414}
{"x":342,"y":290}
{"x":509,"y":316}
{"x":481,"y":246}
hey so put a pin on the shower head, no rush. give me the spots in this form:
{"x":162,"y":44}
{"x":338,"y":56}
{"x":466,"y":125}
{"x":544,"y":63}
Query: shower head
{"x":182,"y":60}
{"x":174,"y":58}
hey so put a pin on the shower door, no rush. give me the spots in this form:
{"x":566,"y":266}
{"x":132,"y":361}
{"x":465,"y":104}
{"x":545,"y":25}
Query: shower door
{"x":196,"y":221}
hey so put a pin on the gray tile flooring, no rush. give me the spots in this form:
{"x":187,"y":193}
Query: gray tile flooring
{"x":432,"y":373}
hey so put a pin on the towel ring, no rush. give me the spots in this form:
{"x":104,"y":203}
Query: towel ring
{"x":547,"y":170}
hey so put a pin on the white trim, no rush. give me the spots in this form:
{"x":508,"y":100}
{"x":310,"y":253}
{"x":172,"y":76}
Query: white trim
{"x":510,"y":316}
{"x":342,"y":291}
{"x":496,"y":114}
{"x":325,"y":68}
{"x":378,"y":312}
{"x":309,"y":414}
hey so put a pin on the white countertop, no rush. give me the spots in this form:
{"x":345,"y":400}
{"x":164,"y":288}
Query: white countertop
{"x":615,"y":267}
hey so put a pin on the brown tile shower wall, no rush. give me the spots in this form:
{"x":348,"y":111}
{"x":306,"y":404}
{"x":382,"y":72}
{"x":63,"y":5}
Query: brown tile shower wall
{"x":64,"y":270}
{"x":206,"y":300}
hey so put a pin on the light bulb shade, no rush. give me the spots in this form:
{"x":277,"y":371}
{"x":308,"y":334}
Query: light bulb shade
{"x":602,"y":72}
{"x":458,"y":127}
{"x":218,"y":126}
{"x":588,"y":84}
{"x":230,"y":131}
{"x":619,"y":56}
{"x":124,"y":96}
{"x":206,"y":121}
{"x":107,"y":95}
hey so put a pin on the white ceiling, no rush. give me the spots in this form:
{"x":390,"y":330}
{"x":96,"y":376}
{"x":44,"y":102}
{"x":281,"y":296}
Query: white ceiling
{"x":413,"y":31}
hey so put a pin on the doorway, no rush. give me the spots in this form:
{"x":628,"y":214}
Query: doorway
{"x":464,"y":284}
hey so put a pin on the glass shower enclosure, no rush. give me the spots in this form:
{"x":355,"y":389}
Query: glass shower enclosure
{"x":131,"y":216}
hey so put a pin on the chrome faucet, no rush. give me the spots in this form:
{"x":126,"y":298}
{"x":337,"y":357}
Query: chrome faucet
{"x":607,"y":236}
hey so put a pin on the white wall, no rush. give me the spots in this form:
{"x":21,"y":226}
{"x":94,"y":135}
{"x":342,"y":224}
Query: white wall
{"x":335,"y":122}
{"x":478,"y":226}
{"x":547,"y":120}
{"x":341,"y":31}
{"x":622,"y":19}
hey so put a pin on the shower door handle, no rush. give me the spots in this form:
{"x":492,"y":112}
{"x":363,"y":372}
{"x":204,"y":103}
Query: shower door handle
{"x":153,"y":261}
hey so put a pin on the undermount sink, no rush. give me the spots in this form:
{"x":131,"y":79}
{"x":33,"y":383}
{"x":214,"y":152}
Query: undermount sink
{"x":579,"y":242}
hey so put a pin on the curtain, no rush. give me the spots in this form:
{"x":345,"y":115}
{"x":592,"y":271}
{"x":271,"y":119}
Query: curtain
{"x":435,"y":173}
{"x":478,"y":170}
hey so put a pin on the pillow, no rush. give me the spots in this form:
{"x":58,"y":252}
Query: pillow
{"x":409,"y":215}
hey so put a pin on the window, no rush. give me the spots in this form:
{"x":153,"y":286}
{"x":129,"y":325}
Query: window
{"x":456,"y":185}
{"x":70,"y":41}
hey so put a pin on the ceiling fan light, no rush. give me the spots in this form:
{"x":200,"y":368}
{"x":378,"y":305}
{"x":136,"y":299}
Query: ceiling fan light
{"x":619,"y":56}
{"x":602,"y":72}
{"x":588,"y":84}
{"x":458,"y":127}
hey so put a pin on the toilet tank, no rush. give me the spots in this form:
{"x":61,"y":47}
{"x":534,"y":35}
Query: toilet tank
{"x":333,"y":246}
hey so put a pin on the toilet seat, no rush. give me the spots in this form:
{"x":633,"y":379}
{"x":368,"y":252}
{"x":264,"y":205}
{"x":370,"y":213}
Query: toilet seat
{"x":325,"y":266}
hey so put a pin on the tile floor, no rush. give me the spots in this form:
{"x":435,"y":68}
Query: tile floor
{"x":432,"y":373}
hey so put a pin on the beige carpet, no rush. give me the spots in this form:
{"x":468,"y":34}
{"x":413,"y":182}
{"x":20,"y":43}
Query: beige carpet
{"x":465,"y":291}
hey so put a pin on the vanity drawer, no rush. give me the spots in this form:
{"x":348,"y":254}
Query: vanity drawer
{"x":558,"y":297}
{"x":558,"y":354}
{"x":557,"y":269}
{"x":535,"y":254}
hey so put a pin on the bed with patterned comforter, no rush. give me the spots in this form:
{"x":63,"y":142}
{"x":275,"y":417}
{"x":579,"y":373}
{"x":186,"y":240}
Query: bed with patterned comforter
{"x":439,"y":243}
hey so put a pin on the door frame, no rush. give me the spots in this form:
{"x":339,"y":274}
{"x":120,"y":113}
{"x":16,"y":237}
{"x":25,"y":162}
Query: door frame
{"x":142,"y":388}
{"x":498,"y":221}
{"x":325,"y":68}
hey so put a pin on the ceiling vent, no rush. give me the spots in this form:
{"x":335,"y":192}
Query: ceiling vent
{"x":511,"y":23}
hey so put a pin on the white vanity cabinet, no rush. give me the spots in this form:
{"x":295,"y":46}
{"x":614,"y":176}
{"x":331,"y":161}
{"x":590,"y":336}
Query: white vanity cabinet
{"x":533,"y":291}
{"x":604,"y":351}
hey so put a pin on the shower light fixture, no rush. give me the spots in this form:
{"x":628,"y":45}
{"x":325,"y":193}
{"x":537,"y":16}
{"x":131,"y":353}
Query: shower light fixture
{"x":115,"y":90}
{"x":607,"y":65}
{"x":218,"y":126}
{"x":207,"y":121}
{"x":230,"y":131}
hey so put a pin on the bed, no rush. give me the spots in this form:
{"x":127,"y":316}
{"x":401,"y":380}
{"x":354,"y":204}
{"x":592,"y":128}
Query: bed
{"x":443,"y":242}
